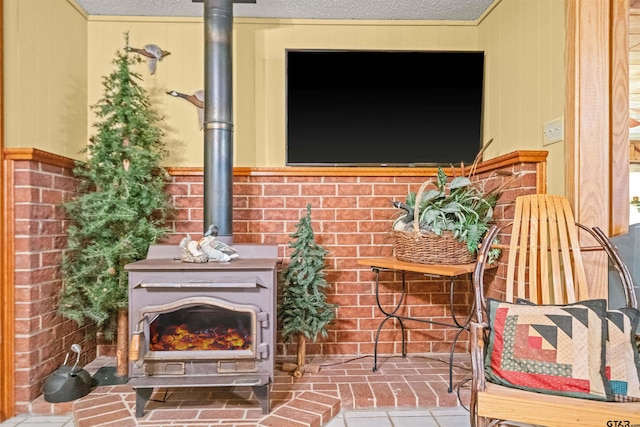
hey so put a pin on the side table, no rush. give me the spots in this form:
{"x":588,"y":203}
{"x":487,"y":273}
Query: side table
{"x":439,"y":270}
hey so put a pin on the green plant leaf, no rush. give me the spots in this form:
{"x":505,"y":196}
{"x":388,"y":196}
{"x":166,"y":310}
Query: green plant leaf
{"x":452,"y":207}
{"x":459,"y":182}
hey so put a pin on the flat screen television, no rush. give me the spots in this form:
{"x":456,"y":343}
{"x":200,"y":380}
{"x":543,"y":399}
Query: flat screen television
{"x":383,"y":108}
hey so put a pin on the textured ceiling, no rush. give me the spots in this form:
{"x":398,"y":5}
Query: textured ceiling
{"x":305,"y":9}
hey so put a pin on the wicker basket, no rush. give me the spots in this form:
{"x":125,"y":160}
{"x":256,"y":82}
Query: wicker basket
{"x":427,"y":247}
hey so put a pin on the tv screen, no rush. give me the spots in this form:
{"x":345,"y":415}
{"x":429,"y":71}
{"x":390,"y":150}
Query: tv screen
{"x":383,"y":108}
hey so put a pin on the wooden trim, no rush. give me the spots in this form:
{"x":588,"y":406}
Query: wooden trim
{"x":588,"y":110}
{"x":335,"y":171}
{"x":7,"y":295}
{"x":541,"y":178}
{"x":7,"y":317}
{"x":184,"y":171}
{"x":619,"y":169}
{"x":510,"y":159}
{"x":38,"y":156}
{"x":538,"y":408}
{"x":597,"y":149}
{"x":515,"y":157}
{"x":571,"y":135}
{"x":596,"y":112}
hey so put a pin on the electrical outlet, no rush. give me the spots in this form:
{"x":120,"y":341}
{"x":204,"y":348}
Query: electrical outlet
{"x":553,"y":131}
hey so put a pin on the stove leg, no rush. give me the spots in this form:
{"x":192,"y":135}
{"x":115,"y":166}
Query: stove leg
{"x":262,"y":393}
{"x":142,"y":395}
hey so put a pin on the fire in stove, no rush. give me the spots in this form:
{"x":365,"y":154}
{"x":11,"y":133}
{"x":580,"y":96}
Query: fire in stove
{"x":189,"y":330}
{"x":206,"y":327}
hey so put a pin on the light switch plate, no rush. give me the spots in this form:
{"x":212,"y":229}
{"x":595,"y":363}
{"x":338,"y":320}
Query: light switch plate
{"x":553,"y":131}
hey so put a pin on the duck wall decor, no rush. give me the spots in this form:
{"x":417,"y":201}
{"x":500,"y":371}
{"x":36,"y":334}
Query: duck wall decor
{"x":197,"y":99}
{"x":152,"y":52}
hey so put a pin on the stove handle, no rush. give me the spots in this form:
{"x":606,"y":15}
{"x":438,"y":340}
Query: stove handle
{"x":136,"y":337}
{"x":263,"y":350}
{"x":263,"y":318}
{"x":199,"y":285}
{"x":134,"y":349}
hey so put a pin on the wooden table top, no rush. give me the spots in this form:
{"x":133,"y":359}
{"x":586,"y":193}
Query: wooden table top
{"x":392,"y":263}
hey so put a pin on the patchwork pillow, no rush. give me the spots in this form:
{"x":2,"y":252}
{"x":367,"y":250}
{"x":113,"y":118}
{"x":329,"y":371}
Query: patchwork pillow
{"x":549,"y":348}
{"x":622,"y":366}
{"x":622,"y":361}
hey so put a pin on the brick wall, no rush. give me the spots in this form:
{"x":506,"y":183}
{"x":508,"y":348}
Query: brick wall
{"x":43,"y":337}
{"x":351,"y":216}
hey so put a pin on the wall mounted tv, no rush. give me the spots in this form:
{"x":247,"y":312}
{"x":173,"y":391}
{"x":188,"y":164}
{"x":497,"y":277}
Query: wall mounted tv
{"x":383,"y":108}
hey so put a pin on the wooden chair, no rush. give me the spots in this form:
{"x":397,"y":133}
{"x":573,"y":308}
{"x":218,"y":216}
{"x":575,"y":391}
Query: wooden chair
{"x":542,"y":224}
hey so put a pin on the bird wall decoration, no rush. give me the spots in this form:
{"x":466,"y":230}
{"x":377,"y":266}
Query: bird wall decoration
{"x":152,"y":52}
{"x":197,"y":99}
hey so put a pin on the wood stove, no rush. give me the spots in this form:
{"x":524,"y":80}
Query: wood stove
{"x":202,"y":324}
{"x":206,"y":324}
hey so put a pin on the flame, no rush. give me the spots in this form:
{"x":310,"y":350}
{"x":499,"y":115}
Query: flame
{"x":180,"y":338}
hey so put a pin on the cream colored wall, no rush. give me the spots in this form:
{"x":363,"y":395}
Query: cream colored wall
{"x":524,"y":42}
{"x":45,"y":91}
{"x":270,"y":40}
{"x":181,"y":71}
{"x":60,"y":71}
{"x":259,"y":71}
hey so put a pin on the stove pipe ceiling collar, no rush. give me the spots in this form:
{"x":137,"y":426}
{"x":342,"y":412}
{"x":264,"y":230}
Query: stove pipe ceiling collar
{"x":218,"y":116}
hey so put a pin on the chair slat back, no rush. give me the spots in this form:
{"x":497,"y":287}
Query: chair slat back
{"x":545,"y":264}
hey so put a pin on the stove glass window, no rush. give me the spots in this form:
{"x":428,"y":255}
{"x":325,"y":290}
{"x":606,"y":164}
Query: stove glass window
{"x":201,"y":328}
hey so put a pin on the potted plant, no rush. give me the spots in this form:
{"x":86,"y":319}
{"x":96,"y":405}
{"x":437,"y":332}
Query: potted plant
{"x":445,"y":224}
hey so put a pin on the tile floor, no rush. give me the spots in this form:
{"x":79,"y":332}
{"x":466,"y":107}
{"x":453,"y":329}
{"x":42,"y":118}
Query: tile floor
{"x":436,"y":417}
{"x":403,"y":392}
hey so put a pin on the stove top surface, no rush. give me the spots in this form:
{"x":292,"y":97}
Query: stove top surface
{"x":177,"y":264}
{"x":167,"y":257}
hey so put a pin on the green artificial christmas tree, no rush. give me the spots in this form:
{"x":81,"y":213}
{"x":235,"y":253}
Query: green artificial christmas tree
{"x":122,"y":208}
{"x":304,"y":311}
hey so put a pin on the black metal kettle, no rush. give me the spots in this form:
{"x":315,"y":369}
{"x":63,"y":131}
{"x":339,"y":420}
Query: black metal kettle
{"x":68,"y":382}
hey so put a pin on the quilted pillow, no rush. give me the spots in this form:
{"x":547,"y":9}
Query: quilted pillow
{"x":549,"y":348}
{"x":622,"y":362}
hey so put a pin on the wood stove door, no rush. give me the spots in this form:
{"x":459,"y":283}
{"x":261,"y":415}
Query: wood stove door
{"x":201,"y":329}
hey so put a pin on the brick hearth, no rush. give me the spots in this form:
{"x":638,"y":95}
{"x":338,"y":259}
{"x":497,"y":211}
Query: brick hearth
{"x":418,"y":381}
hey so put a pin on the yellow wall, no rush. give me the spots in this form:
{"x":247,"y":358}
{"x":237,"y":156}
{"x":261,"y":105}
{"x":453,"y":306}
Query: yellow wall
{"x":525,"y":79}
{"x":181,"y":71}
{"x":259,"y":71}
{"x":523,"y":41}
{"x":45,"y":58}
{"x":272,"y":39}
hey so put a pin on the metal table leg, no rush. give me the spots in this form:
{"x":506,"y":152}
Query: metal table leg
{"x":464,"y":326}
{"x":457,"y":324}
{"x":388,"y":315}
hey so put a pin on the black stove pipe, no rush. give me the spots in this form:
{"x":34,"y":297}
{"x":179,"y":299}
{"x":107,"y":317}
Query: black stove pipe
{"x":218,"y":116}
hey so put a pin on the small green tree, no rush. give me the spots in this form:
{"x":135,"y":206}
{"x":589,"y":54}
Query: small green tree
{"x":304,"y":311}
{"x":122,"y":207}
